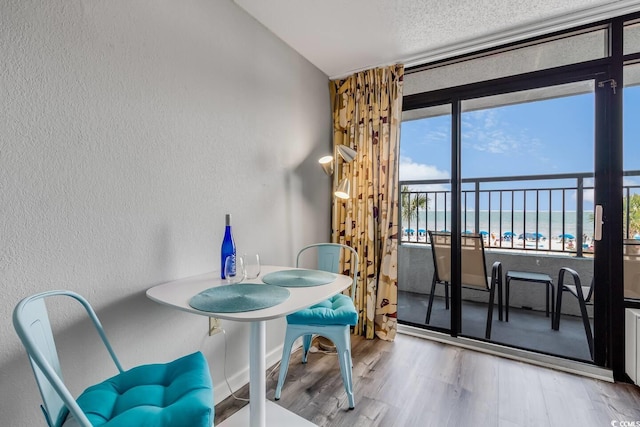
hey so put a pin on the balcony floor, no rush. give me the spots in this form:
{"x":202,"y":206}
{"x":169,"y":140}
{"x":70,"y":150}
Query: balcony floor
{"x":526,"y":328}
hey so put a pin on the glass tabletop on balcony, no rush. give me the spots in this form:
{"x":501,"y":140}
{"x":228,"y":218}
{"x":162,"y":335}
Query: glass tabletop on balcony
{"x":528,"y":276}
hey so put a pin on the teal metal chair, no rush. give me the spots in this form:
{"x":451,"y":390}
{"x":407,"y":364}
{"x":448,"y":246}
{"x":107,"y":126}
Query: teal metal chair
{"x":177,"y":393}
{"x":331,"y":318}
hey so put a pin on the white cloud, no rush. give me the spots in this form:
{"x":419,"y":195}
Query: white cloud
{"x":589,"y":196}
{"x":410,"y":170}
{"x":486,"y":131}
{"x":438,"y":136}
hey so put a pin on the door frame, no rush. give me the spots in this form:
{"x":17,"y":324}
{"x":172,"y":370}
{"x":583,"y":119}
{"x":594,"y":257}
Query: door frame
{"x":607,"y":188}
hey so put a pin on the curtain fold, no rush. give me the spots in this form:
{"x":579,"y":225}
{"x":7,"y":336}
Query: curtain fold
{"x":367,"y":108}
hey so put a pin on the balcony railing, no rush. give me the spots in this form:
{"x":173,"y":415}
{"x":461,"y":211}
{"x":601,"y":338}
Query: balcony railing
{"x":551,"y":213}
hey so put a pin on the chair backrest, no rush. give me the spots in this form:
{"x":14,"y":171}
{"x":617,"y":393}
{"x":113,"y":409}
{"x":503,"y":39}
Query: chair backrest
{"x":31,"y":321}
{"x":474,"y":268}
{"x":587,"y":292}
{"x":441,"y":252}
{"x":331,"y":257}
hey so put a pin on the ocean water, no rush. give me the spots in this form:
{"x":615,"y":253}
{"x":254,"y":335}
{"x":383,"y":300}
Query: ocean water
{"x":549,"y":224}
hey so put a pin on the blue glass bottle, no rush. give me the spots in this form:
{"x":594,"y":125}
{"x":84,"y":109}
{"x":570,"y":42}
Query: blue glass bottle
{"x":228,"y":247}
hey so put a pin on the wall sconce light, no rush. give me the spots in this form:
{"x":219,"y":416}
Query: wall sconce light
{"x":348,"y":154}
{"x":327,"y":164}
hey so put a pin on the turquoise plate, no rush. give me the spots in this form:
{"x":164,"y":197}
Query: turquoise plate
{"x":238,"y":298}
{"x":299,"y":278}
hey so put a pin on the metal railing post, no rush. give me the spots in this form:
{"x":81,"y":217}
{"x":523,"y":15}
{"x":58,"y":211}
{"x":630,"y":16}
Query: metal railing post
{"x":579,"y":217}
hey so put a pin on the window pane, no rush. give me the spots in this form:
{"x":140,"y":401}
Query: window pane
{"x":631,"y":182}
{"x":631,"y":38}
{"x":527,"y":159}
{"x":425,"y":156}
{"x":554,"y":53}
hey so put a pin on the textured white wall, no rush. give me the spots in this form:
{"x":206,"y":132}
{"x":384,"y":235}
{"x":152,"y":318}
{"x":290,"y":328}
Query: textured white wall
{"x":128,"y":129}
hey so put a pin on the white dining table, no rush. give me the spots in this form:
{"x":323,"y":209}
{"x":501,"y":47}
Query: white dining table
{"x":260,"y":412}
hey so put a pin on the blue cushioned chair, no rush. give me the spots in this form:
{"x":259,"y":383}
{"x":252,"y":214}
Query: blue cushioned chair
{"x":178,"y":393}
{"x":331,"y":318}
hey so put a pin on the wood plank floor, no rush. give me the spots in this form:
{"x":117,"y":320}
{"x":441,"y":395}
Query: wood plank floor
{"x":416,"y":382}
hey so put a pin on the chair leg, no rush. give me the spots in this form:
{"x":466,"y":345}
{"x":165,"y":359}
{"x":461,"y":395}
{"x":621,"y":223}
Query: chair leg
{"x":306,"y":345}
{"x":506,"y":302}
{"x":342,"y":340}
{"x":433,"y":290}
{"x":587,"y":325}
{"x":500,"y":303}
{"x":547,"y":302}
{"x":492,"y":293}
{"x":496,"y":281}
{"x":553,"y":303}
{"x":446,"y":295}
{"x":556,"y":317}
{"x":289,"y":339}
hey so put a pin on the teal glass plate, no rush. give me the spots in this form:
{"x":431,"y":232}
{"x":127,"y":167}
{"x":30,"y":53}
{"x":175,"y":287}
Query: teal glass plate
{"x":299,"y":278}
{"x":238,"y":298}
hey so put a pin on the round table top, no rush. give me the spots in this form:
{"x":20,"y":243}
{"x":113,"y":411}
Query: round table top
{"x":177,"y":294}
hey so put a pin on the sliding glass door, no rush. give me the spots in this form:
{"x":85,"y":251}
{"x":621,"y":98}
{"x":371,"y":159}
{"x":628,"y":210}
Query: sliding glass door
{"x":508,"y":186}
{"x":534,"y":170}
{"x":527,"y":188}
{"x":425,"y":209}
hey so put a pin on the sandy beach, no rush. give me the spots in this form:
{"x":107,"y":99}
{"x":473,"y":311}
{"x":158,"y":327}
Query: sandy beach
{"x":544,"y":244}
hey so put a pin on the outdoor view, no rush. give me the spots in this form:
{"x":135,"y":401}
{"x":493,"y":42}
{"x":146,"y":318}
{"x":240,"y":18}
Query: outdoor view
{"x":534,"y":139}
{"x":534,"y":269}
{"x":527,"y":167}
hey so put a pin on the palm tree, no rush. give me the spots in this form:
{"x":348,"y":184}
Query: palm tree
{"x":633,"y":204}
{"x":411,"y":203}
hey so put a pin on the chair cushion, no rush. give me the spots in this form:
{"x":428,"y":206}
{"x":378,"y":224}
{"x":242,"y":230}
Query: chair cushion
{"x":178,"y":393}
{"x":337,"y":310}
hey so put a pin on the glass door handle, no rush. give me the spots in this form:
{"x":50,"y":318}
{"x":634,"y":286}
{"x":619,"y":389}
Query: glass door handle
{"x":598,"y":223}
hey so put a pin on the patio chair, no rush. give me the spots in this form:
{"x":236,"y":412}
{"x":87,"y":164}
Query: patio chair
{"x":584,"y":294}
{"x":474,"y":271}
{"x":178,"y":393}
{"x":331,"y":318}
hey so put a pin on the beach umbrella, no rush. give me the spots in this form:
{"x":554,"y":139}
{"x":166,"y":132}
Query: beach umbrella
{"x":566,"y":236}
{"x":422,"y":230}
{"x":509,"y":234}
{"x":484,"y":233}
{"x":409,"y":230}
{"x":467,"y":232}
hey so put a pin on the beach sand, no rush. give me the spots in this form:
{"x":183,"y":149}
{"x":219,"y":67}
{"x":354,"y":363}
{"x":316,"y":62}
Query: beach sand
{"x":555,"y":245}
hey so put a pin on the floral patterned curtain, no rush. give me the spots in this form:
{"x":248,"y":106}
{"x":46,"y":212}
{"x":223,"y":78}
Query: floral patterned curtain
{"x":367,"y":109}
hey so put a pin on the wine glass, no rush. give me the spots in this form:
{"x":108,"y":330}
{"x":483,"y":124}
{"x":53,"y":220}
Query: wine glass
{"x":234,"y":271}
{"x":251,"y":265}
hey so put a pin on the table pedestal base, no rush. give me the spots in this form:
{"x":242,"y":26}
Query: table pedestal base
{"x":277,"y":416}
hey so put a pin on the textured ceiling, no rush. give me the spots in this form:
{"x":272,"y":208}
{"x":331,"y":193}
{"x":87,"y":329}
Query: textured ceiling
{"x":340,"y":36}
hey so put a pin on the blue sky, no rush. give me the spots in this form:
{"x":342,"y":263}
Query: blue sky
{"x":543,"y":137}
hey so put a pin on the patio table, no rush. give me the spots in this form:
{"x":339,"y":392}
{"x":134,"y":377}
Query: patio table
{"x":525,"y":276}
